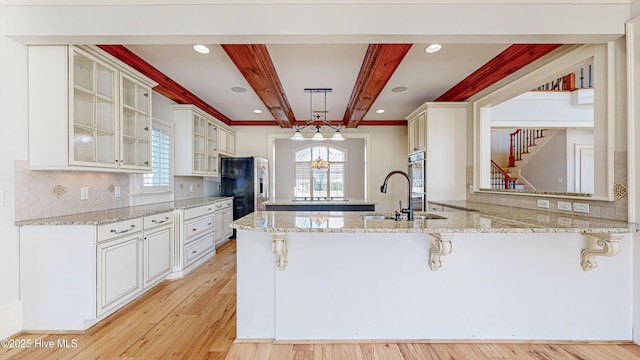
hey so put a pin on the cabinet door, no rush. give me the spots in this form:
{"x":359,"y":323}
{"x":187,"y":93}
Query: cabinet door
{"x":231,"y":143}
{"x":222,"y":141}
{"x":227,"y":216}
{"x":421,"y":131}
{"x":199,"y":144}
{"x":411,"y":135}
{"x":92,"y":111}
{"x":157,"y":254}
{"x":135,"y":125}
{"x":219,"y":227}
{"x":119,"y":264}
{"x":212,"y":148}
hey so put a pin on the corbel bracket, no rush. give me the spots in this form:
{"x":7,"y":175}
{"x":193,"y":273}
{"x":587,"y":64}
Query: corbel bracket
{"x":605,"y":245}
{"x":279,"y":247}
{"x":442,"y":248}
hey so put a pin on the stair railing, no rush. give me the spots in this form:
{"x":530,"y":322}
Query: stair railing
{"x":520,"y":141}
{"x":500,"y":179}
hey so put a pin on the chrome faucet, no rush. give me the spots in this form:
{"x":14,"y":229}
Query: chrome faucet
{"x":383,"y":189}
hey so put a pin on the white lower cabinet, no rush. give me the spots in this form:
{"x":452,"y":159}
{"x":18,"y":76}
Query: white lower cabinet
{"x":119,"y":271}
{"x":73,"y":276}
{"x":224,"y":217}
{"x":157,"y":247}
{"x":195,"y":239}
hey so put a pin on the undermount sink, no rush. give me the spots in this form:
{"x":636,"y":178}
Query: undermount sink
{"x":404,"y":217}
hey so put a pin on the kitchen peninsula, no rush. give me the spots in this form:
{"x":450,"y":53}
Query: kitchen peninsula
{"x":495,"y":273}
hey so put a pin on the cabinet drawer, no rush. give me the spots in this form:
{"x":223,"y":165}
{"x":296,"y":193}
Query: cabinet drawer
{"x":113,"y":230}
{"x":224,"y":204}
{"x":198,"y":211}
{"x":199,"y":248}
{"x":198,"y":227}
{"x":158,"y":219}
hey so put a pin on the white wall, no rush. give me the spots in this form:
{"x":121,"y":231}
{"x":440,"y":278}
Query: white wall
{"x":13,"y":146}
{"x":552,"y":157}
{"x":387,"y":150}
{"x":355,"y":171}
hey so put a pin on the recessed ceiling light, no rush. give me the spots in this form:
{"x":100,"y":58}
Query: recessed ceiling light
{"x":202,"y":49}
{"x":380,"y":111}
{"x":238,"y":89}
{"x":433,"y":48}
{"x":399,"y":89}
{"x":257,"y":111}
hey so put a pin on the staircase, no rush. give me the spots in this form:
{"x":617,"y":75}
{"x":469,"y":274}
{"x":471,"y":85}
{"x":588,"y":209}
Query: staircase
{"x":524,"y":143}
{"x":501,"y":179}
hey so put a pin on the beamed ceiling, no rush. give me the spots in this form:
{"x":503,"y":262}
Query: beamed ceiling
{"x":362,"y":49}
{"x":359,"y":89}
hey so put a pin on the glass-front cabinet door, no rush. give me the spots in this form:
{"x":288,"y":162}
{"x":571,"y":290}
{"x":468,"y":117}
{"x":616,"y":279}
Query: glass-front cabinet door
{"x":93,"y":106}
{"x":136,"y":124}
{"x":199,"y":144}
{"x":212,"y":148}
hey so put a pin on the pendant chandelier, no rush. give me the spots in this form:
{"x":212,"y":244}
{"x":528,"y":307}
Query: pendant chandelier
{"x":319,"y":164}
{"x":318,"y":119}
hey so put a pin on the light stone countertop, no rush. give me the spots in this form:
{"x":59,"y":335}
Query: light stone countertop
{"x":119,"y":214}
{"x":486,"y":218}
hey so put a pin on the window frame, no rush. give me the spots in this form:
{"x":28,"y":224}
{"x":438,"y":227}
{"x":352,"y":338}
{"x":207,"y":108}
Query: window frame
{"x":166,"y":126}
{"x":344,"y":172}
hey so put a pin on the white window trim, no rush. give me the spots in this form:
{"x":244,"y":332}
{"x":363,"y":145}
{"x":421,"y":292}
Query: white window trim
{"x":164,"y":193}
{"x":345,"y":164}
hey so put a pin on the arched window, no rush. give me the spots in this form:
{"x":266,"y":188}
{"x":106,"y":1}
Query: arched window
{"x":320,"y":172}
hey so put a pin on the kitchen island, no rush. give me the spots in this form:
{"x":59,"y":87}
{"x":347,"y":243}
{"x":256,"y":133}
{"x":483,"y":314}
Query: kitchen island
{"x":320,"y":204}
{"x":494,"y":274}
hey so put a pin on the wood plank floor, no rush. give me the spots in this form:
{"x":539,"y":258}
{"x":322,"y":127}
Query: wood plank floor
{"x":194,"y":318}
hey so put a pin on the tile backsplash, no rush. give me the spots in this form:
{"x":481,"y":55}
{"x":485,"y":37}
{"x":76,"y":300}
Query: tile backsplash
{"x":187,"y":187}
{"x":53,"y":193}
{"x":613,"y":210}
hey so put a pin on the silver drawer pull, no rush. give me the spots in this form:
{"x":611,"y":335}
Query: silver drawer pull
{"x":123,"y":231}
{"x":210,"y":209}
{"x":194,"y":229}
{"x":209,"y":224}
{"x":160,"y":222}
{"x":194,"y":251}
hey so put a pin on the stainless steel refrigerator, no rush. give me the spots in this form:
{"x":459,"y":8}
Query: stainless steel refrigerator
{"x":247,"y":180}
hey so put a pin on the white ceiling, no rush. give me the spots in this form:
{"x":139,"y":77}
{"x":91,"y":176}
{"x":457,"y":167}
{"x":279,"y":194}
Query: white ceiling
{"x":211,"y":76}
{"x":314,"y":43}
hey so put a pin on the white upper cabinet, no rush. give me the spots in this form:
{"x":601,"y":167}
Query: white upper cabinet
{"x":196,"y":141}
{"x":135,"y":124}
{"x":416,"y":126}
{"x":87,"y":111}
{"x":226,"y":140}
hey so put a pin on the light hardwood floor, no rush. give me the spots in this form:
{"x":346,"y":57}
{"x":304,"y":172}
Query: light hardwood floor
{"x":194,"y":318}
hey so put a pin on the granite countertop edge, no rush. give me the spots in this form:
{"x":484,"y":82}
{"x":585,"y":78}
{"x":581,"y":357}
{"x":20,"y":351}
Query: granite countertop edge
{"x":119,"y":214}
{"x":475,"y":218}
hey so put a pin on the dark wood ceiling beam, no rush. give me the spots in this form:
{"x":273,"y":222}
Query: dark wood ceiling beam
{"x":512,"y":59}
{"x":166,"y":86}
{"x":380,"y":62}
{"x":256,"y":66}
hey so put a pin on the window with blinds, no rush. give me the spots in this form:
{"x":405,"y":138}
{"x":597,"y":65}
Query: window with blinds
{"x":160,"y":179}
{"x":320,"y":172}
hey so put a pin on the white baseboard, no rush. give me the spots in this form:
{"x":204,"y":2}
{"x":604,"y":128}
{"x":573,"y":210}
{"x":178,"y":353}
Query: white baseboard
{"x":10,"y":319}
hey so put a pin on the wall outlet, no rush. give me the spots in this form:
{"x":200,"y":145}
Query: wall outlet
{"x":84,"y":193}
{"x":543,"y":203}
{"x":581,"y":207}
{"x":564,"y":205}
{"x":116,"y":191}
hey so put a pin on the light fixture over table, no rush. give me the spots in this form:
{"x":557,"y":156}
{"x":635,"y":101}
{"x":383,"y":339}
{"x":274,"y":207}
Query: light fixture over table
{"x":318,"y":119}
